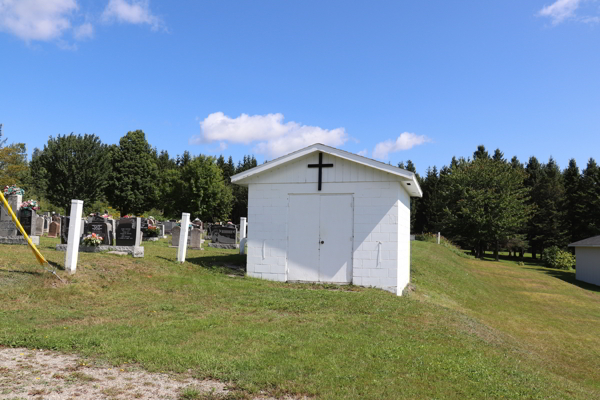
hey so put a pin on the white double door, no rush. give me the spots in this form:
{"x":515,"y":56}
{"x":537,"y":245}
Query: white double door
{"x":320,"y":238}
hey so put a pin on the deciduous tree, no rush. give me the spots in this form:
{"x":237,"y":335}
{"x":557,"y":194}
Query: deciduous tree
{"x":71,"y":167}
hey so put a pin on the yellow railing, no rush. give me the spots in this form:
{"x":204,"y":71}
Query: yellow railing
{"x":36,"y":252}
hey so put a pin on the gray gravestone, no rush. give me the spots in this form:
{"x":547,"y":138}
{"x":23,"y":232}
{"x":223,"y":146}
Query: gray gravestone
{"x":195,"y":241}
{"x":168,"y":226}
{"x":224,"y":234}
{"x":39,"y":226}
{"x":175,"y":238}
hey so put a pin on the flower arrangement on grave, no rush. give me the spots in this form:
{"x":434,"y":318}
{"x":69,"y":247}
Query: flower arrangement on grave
{"x":14,"y":189}
{"x":30,"y":205}
{"x":92,"y":240}
{"x":152,"y":231}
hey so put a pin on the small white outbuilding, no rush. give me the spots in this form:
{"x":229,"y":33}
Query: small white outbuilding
{"x":587,"y":260}
{"x":321,"y":214}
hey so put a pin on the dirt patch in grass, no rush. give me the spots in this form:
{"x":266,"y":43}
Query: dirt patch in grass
{"x":35,"y":374}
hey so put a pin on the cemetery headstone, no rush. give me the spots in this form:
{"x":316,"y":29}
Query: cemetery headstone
{"x":126,"y":232}
{"x":54,"y":229}
{"x":224,"y":234}
{"x":176,"y":231}
{"x":100,"y":227}
{"x":39,"y":226}
{"x":168,"y":226}
{"x":27,"y":220}
{"x":64,"y":230}
{"x":195,"y":239}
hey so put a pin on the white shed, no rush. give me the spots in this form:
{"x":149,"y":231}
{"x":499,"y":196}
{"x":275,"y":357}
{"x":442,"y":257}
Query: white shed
{"x":321,"y":214}
{"x":587,"y":256}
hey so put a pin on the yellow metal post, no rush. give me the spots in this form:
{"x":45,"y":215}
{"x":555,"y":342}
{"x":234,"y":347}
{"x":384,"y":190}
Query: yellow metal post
{"x":36,"y":252}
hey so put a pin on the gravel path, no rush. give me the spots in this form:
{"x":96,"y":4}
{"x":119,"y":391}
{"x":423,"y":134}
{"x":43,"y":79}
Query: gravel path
{"x":48,"y":375}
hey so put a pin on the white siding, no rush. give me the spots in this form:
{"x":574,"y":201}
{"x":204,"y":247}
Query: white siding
{"x":381,"y":214}
{"x":297,"y":171}
{"x":588,"y":264}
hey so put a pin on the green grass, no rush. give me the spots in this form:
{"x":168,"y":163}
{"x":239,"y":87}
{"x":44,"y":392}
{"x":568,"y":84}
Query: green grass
{"x":472,"y":329}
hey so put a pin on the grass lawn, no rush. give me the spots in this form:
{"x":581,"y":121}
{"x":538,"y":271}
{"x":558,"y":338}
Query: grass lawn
{"x":471,"y":329}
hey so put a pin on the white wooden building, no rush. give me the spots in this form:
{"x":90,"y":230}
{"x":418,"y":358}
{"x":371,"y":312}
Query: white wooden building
{"x":321,"y":214}
{"x":587,"y":256}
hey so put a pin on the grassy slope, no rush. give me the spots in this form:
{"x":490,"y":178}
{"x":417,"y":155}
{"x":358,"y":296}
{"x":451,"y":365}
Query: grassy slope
{"x":472,"y":329}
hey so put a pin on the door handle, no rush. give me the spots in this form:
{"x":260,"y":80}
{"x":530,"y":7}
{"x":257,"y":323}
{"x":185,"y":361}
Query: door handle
{"x":322,"y":242}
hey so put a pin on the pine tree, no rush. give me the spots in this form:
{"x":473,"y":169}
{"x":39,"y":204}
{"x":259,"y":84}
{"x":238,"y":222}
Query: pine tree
{"x":533,"y":172}
{"x":240,"y":193}
{"x":485,"y":203}
{"x":588,"y":209}
{"x":572,"y":182}
{"x":498,"y":156}
{"x":133,"y":183}
{"x":551,"y":208}
{"x":480,"y":153}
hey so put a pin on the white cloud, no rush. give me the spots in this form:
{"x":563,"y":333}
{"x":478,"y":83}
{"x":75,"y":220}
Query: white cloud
{"x":591,"y":20}
{"x":560,"y":10}
{"x":36,"y":19}
{"x":271,"y":136}
{"x":83,"y":31}
{"x":405,"y":141}
{"x":363,"y":153}
{"x":133,"y":12}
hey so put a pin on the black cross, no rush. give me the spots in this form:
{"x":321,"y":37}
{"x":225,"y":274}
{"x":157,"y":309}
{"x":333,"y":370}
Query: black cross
{"x":320,"y":165}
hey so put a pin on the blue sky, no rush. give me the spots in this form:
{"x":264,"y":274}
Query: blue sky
{"x":392,"y":80}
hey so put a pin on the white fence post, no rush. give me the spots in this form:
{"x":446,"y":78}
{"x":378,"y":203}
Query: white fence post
{"x":242,"y":228}
{"x":183,"y":237}
{"x":73,"y":240}
{"x":439,"y":237}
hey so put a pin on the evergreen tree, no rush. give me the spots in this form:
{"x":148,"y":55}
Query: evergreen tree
{"x":572,"y":182}
{"x":240,"y":193}
{"x":551,"y":207}
{"x":133,"y":183}
{"x":533,"y":172}
{"x":515,"y":163}
{"x":429,"y":216}
{"x":485,"y":203}
{"x":72,"y":167}
{"x":480,"y":153}
{"x":498,"y":156}
{"x":588,"y":209}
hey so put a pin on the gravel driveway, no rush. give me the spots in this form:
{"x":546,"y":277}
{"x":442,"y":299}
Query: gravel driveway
{"x":42,"y":374}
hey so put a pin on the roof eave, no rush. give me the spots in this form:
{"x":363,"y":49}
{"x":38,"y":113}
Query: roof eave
{"x":238,"y":179}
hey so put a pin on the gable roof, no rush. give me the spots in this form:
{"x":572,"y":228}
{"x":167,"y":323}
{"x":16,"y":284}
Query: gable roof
{"x":589,"y":242}
{"x":410,"y":180}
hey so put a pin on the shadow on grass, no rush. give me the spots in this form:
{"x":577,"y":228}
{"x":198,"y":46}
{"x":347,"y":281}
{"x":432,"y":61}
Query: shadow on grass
{"x":226,"y":263}
{"x":14,"y":271}
{"x":56,"y":265}
{"x":568,"y":277}
{"x":525,"y":260}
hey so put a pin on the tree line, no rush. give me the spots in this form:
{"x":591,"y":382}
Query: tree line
{"x":484,"y":202}
{"x":490,"y":203}
{"x":131,"y":177}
